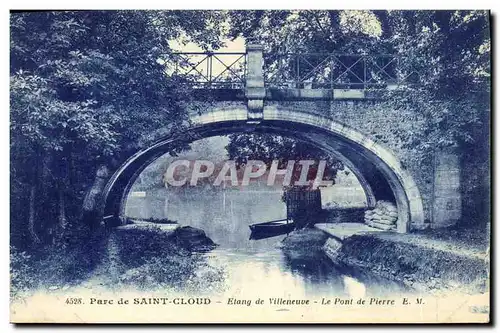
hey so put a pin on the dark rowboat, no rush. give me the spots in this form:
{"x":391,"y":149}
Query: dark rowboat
{"x":271,"y":228}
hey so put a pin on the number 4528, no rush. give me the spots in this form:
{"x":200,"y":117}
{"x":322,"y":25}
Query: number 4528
{"x":72,"y":300}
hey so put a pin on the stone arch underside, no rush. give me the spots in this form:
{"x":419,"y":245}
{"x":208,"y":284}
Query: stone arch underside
{"x":379,"y":171}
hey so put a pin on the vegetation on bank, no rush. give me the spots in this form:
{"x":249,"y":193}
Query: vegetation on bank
{"x":419,"y":261}
{"x":304,"y":244}
{"x":448,"y":259}
{"x":150,"y":258}
{"x":52,"y":267}
{"x":143,"y":258}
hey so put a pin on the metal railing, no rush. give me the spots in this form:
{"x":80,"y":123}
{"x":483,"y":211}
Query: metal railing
{"x":330,"y":71}
{"x":216,"y":70}
{"x":209,"y":69}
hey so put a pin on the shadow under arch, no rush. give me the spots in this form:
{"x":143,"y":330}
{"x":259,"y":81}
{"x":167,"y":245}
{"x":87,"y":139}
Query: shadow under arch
{"x":377,"y":167}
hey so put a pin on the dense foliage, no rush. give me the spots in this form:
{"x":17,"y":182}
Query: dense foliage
{"x":269,"y":147}
{"x":85,"y":87}
{"x":449,"y":51}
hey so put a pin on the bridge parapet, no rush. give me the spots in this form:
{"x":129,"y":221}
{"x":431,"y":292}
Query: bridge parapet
{"x":335,"y":71}
{"x":209,"y":70}
{"x":297,"y":71}
{"x":255,"y":76}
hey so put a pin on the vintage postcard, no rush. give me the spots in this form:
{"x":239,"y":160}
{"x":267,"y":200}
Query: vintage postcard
{"x":257,"y":166}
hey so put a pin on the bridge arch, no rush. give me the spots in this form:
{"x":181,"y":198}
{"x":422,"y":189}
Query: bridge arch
{"x":378,"y":170}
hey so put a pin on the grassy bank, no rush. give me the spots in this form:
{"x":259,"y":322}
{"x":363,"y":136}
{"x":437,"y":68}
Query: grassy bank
{"x":139,"y":258}
{"x":56,"y":266}
{"x":151,"y":258}
{"x":304,"y":244}
{"x":451,"y":259}
{"x":421,"y":262}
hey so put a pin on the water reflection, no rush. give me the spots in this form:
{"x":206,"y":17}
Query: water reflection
{"x":260,"y":267}
{"x":225,"y":216}
{"x":273,"y":274}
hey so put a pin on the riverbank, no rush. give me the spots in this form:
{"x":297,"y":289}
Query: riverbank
{"x":439,"y":261}
{"x":139,"y":256}
{"x":146,"y":256}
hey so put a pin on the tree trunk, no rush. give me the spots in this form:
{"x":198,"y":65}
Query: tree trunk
{"x":62,"y":210}
{"x":91,"y":215}
{"x":33,"y":198}
{"x":91,"y":201}
{"x":32,"y":215}
{"x":62,"y":190}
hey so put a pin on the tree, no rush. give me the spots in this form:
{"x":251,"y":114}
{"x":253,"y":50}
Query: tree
{"x":85,"y":88}
{"x":268,"y":147}
{"x":449,"y":50}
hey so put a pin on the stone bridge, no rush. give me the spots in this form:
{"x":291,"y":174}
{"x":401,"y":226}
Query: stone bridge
{"x":342,"y":115}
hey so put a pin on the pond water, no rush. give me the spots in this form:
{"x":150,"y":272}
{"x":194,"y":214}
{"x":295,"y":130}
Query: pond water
{"x":272,"y":273}
{"x":262,"y":267}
